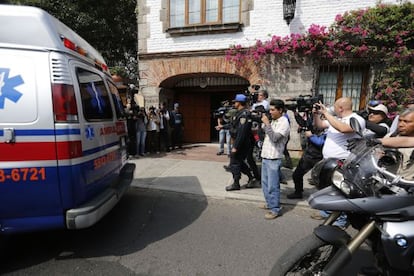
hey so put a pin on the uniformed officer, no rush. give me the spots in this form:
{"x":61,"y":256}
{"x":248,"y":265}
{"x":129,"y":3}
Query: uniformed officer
{"x":241,"y":133}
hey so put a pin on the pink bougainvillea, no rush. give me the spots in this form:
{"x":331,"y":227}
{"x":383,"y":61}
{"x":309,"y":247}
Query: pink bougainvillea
{"x":383,"y":36}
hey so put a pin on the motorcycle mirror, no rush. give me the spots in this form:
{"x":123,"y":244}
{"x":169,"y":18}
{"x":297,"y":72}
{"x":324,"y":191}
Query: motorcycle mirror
{"x":356,"y":126}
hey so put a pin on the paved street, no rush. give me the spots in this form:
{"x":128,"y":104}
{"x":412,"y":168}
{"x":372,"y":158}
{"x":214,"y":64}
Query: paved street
{"x":154,"y":232}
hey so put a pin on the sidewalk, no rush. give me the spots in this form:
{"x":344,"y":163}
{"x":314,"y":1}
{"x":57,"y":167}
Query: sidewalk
{"x":196,"y":169}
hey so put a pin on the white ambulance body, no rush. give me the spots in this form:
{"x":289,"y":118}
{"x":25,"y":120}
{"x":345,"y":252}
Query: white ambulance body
{"x":63,"y":159}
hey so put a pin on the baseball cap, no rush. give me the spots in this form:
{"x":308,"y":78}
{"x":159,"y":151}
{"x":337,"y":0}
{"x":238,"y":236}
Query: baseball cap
{"x":240,"y":98}
{"x":374,"y":103}
{"x":382,"y":108}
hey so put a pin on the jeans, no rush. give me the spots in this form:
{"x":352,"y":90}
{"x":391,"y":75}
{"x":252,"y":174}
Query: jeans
{"x":141,"y":136}
{"x":271,"y":184}
{"x":341,"y":221}
{"x":224,"y":133}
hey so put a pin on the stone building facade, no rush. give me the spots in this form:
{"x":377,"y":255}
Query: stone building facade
{"x":185,"y":63}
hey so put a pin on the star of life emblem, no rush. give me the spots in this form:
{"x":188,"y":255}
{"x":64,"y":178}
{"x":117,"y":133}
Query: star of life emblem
{"x":7,"y":87}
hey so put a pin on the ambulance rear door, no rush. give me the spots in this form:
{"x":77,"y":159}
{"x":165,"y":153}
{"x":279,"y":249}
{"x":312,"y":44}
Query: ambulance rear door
{"x":29,"y":186}
{"x":101,"y":159}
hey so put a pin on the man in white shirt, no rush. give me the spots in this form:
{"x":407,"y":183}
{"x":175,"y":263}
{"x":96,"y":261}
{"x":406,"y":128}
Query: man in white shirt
{"x":338,"y":133}
{"x":261,"y":100}
{"x":338,"y":127}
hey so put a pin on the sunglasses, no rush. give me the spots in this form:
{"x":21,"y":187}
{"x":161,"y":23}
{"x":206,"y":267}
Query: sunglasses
{"x":376,"y":112}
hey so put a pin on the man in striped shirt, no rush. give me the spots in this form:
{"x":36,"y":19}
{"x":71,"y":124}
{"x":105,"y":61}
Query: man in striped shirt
{"x":277,"y":131}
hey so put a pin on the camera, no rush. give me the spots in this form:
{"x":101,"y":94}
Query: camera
{"x":257,"y":113}
{"x":255,"y":87}
{"x":303,"y":103}
{"x":222,"y":111}
{"x":252,"y":94}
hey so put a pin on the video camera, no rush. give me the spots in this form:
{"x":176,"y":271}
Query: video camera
{"x":257,"y":113}
{"x":303,"y":103}
{"x":223,"y":110}
{"x":252,"y":97}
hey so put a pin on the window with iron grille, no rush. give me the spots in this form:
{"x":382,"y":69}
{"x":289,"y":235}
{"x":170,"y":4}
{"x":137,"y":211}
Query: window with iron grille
{"x":343,"y":81}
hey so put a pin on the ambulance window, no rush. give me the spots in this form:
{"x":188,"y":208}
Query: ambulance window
{"x":117,"y":100}
{"x":96,"y":104}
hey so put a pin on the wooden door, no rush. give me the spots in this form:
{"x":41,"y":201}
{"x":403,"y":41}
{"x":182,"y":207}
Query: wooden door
{"x":196,"y":111}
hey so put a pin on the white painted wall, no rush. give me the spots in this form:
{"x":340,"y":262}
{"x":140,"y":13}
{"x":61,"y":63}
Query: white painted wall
{"x":265,"y":20}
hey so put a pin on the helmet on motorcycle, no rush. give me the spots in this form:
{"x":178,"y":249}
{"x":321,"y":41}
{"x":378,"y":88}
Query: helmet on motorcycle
{"x":322,"y":172}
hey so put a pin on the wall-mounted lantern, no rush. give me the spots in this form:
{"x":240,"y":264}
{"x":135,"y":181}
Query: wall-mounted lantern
{"x":289,"y":7}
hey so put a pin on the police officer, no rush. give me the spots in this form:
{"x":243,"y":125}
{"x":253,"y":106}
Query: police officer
{"x":241,"y":133}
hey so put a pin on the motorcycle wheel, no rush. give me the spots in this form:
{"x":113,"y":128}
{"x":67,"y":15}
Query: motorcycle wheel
{"x":307,"y":257}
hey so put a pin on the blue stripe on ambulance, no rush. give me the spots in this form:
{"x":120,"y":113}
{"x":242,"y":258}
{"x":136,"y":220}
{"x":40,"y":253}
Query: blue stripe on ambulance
{"x":51,"y":213}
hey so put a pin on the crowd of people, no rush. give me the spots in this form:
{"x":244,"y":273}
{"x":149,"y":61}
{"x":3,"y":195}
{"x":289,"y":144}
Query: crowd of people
{"x":328,"y":138}
{"x":266,"y":125}
{"x":154,"y":130}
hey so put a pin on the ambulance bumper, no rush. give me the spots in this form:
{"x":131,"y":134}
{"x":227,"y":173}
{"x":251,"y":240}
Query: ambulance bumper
{"x":92,"y":211}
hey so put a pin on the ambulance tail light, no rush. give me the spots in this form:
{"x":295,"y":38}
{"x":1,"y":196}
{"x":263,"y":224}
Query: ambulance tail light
{"x":83,"y":52}
{"x":69,"y":44}
{"x":64,"y":103}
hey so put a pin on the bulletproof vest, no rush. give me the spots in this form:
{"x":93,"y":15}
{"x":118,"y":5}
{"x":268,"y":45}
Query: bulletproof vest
{"x":235,"y":121}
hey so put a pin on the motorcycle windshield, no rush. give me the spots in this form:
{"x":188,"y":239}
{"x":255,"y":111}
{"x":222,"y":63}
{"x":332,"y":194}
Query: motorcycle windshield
{"x":359,"y":168}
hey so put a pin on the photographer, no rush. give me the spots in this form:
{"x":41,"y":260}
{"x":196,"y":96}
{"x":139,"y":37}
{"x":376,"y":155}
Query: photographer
{"x":153,"y":129}
{"x":301,"y":107}
{"x":305,"y":122}
{"x":311,"y":156}
{"x":377,"y":122}
{"x":223,"y":121}
{"x":141,"y":121}
{"x":276,"y":130}
{"x":261,"y":100}
{"x":164,"y":124}
{"x":338,"y":132}
{"x":177,"y":125}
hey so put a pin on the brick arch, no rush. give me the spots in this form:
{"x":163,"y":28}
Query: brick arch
{"x":161,"y":69}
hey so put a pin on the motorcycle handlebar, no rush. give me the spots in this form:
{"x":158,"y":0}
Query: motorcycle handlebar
{"x":396,"y":179}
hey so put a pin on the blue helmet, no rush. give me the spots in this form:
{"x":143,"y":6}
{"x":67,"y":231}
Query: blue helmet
{"x":240,"y":98}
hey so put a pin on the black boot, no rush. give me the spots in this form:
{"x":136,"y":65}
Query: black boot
{"x":295,"y":195}
{"x":253,"y":183}
{"x":234,"y":186}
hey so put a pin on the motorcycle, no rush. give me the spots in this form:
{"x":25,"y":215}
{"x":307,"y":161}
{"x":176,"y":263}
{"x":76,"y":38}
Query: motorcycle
{"x":378,"y":203}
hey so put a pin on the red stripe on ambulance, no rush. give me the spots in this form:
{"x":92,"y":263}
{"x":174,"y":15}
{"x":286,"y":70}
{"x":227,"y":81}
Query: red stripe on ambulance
{"x":27,"y":151}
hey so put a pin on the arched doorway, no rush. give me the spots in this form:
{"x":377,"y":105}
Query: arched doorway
{"x":199,"y":95}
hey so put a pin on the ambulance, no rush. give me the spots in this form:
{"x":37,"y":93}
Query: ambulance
{"x":63,"y":155}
